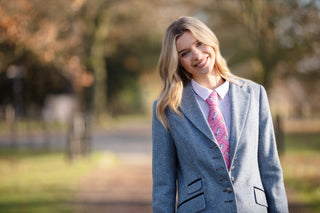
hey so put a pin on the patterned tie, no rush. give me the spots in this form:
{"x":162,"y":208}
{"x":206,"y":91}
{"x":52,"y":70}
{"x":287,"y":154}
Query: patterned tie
{"x":218,"y":126}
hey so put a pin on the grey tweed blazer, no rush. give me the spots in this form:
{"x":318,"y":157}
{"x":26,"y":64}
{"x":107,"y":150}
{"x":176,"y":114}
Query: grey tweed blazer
{"x":189,"y":172}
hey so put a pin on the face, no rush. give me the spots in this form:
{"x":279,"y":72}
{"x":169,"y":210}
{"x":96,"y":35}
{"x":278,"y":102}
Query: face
{"x":195,"y":57}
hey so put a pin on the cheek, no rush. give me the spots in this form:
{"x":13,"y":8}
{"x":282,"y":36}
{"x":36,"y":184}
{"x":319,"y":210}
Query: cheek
{"x":183,"y":63}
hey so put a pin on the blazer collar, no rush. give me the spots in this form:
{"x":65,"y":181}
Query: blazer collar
{"x":191,"y":109}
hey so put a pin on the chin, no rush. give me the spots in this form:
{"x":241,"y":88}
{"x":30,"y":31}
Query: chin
{"x":204,"y":72}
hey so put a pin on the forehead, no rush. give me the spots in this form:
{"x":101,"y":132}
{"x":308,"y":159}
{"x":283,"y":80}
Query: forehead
{"x":185,"y":40}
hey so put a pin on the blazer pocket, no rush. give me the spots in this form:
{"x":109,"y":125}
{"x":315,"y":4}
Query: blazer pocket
{"x":260,"y":197}
{"x":194,"y":186}
{"x":192,"y":205}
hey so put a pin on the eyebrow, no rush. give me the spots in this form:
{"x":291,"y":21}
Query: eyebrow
{"x":180,"y":51}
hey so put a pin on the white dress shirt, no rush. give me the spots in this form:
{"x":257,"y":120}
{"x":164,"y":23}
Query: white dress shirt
{"x":202,"y":93}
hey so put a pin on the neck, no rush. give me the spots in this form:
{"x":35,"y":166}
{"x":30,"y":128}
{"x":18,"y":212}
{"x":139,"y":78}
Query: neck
{"x":211,"y":82}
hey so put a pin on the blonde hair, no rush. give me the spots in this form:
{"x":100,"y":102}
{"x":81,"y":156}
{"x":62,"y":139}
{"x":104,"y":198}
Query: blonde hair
{"x":172,"y":74}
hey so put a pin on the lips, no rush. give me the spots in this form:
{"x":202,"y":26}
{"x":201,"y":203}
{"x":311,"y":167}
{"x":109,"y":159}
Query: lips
{"x":201,"y":63}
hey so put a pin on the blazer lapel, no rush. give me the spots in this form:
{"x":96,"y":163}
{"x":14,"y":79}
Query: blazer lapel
{"x":191,"y":109}
{"x":240,"y":100}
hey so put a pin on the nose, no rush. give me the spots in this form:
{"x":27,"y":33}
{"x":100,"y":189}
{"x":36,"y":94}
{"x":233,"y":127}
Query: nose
{"x":196,"y":54}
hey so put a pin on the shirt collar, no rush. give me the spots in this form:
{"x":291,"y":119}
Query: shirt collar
{"x":204,"y":92}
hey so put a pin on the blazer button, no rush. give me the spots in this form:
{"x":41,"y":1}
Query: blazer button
{"x":229,"y":190}
{"x":232,"y":168}
{"x":223,"y":179}
{"x":232,"y":179}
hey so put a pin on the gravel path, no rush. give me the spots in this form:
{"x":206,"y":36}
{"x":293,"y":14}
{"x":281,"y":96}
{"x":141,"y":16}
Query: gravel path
{"x":120,"y":184}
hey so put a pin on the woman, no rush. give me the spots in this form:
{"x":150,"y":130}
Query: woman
{"x":213,"y":139}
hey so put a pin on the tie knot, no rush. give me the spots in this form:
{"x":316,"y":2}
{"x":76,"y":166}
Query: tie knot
{"x":213,"y":98}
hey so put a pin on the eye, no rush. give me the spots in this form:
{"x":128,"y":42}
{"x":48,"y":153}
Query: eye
{"x":199,"y":43}
{"x":184,"y":53}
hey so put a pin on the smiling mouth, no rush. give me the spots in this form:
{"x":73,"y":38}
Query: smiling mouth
{"x":201,"y":63}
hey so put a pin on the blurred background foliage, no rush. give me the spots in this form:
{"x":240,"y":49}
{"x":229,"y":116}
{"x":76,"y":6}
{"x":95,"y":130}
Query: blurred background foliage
{"x":99,"y":50}
{"x":81,"y":62}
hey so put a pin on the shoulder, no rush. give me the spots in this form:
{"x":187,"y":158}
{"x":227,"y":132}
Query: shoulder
{"x":246,"y":84}
{"x":257,"y":91}
{"x":154,"y":105}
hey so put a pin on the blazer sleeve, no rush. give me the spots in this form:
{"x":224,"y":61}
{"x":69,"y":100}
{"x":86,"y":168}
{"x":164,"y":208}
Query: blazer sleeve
{"x":269,"y":163}
{"x":163,"y":168}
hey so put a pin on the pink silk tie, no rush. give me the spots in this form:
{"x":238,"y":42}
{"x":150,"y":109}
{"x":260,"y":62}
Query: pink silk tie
{"x":218,"y":126}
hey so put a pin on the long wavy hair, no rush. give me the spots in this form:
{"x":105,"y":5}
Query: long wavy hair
{"x":172,"y":74}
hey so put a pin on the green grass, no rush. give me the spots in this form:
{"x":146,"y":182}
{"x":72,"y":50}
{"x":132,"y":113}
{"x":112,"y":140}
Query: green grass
{"x":39,"y":182}
{"x":300,"y":164}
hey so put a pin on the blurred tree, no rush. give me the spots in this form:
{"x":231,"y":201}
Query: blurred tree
{"x":34,"y":37}
{"x":76,"y":37}
{"x":132,"y":48}
{"x":95,"y":20}
{"x":67,"y":46}
{"x":46,"y":45}
{"x":275,"y":35}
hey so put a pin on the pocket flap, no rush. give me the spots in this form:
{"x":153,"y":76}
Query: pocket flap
{"x":194,"y":186}
{"x":260,"y":197}
{"x":194,"y":204}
